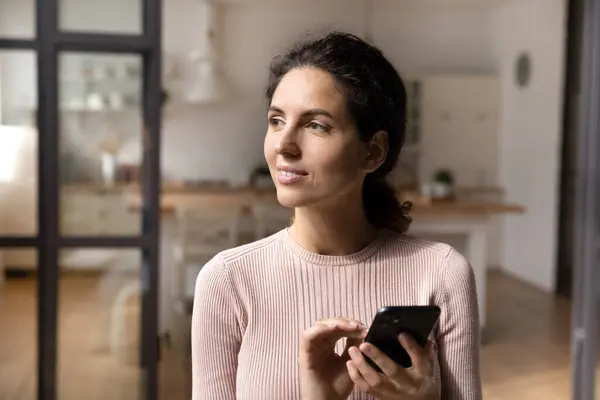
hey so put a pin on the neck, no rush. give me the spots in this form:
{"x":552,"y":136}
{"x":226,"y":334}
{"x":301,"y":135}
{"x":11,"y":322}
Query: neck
{"x":339,"y":229}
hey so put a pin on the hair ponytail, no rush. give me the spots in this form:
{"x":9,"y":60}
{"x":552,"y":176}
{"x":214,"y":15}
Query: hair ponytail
{"x":382,"y":206}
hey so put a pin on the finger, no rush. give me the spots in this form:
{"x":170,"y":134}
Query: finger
{"x":343,"y":323}
{"x":372,"y":377}
{"x":429,"y":346}
{"x":418,"y":355}
{"x":363,"y":385}
{"x":431,"y":349}
{"x":341,"y":319}
{"x":351,"y":342}
{"x":331,"y":331}
{"x":388,"y":366}
{"x":357,"y":378}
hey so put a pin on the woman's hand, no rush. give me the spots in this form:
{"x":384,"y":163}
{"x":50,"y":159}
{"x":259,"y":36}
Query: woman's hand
{"x":396,"y":382}
{"x":323,"y":373}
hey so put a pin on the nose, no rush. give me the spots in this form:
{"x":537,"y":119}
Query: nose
{"x":288,"y":145}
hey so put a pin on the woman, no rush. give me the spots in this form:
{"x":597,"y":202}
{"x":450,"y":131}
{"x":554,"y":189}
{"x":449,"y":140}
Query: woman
{"x":268,"y":316}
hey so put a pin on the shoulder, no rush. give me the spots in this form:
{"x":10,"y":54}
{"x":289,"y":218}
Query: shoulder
{"x":252,"y":252}
{"x":413,"y":246}
{"x":224,"y":279}
{"x":437,"y":260}
{"x":437,"y":254}
{"x":225,"y":263}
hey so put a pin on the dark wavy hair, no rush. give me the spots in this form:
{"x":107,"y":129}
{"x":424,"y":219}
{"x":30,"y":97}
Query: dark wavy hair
{"x":376,"y":100}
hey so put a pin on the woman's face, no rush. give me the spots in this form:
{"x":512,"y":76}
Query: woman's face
{"x":313,"y":150}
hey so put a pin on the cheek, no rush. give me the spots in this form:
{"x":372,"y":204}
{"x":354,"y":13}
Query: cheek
{"x":269,"y":148}
{"x":343,"y":166}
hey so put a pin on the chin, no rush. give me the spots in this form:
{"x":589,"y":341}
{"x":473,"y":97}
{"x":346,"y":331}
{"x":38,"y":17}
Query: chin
{"x":291,"y":198}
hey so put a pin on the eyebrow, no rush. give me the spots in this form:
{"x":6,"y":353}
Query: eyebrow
{"x":311,"y":112}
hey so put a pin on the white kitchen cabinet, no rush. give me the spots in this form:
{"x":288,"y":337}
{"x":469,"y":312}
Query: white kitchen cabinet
{"x":460,"y":132}
{"x":459,"y":128}
{"x":94,"y":212}
{"x":84,"y":212}
{"x":80,"y":213}
{"x":97,"y":213}
{"x":116,"y":218}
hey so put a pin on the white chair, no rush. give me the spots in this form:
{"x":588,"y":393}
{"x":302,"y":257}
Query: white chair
{"x":125,"y":328}
{"x":203,"y":230}
{"x":118,"y":294}
{"x":270,"y":217}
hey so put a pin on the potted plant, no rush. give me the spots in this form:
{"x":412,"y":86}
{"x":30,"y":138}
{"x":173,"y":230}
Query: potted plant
{"x":443,"y":184}
{"x":261,"y":177}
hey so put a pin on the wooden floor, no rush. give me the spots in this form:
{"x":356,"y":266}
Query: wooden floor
{"x":87,"y":368}
{"x":527,"y":355}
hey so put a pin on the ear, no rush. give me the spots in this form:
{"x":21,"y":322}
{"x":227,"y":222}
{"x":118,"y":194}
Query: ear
{"x":377,"y":149}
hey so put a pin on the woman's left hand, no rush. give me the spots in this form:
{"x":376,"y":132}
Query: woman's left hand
{"x":396,"y":382}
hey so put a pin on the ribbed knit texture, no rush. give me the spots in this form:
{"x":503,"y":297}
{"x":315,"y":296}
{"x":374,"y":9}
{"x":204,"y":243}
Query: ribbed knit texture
{"x":253,"y":302}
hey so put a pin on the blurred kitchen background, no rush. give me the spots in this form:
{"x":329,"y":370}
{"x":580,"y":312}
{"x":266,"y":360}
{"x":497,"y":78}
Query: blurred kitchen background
{"x":488,"y":165}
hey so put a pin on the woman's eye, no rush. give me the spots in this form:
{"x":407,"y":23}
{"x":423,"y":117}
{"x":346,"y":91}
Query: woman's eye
{"x":318,"y":127}
{"x":275,"y":122}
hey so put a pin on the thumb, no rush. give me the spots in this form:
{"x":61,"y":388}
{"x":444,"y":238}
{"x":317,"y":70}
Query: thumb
{"x":350,"y":342}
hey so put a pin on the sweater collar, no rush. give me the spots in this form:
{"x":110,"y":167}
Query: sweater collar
{"x":321,"y":259}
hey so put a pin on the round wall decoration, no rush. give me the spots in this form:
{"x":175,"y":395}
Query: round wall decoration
{"x":523,"y":70}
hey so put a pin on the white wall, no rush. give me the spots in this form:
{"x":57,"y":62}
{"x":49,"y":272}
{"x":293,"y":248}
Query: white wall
{"x":531,"y":134}
{"x":418,"y":41}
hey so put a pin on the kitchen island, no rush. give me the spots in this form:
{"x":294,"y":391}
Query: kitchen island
{"x":469,"y":219}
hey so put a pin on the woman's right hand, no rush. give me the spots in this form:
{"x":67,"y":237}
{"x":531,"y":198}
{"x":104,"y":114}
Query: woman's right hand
{"x":323,"y":373}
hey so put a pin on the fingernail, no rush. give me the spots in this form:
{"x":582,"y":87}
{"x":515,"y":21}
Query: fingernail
{"x":365,"y":348}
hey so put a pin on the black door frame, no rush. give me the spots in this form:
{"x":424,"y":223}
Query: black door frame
{"x":586,"y":271}
{"x":568,"y":174}
{"x":47,"y":43}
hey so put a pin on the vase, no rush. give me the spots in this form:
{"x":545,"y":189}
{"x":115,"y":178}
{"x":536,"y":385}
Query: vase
{"x":109,"y":168}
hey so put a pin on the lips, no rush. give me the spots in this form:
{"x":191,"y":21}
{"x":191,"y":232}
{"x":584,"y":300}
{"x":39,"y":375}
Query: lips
{"x":290,"y":171}
{"x":287,"y":175}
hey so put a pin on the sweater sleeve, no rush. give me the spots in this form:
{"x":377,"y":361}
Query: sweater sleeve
{"x":459,"y":332}
{"x":216,"y":334}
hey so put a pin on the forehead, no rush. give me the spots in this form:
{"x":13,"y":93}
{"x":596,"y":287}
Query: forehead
{"x":306,"y":88}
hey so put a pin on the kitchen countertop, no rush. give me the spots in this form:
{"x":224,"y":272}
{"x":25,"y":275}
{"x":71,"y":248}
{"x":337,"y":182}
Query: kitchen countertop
{"x":175,"y":193}
{"x":246,"y":197}
{"x":123,"y":187}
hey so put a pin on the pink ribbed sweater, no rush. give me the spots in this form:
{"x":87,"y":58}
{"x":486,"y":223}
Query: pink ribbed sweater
{"x":253,"y":302}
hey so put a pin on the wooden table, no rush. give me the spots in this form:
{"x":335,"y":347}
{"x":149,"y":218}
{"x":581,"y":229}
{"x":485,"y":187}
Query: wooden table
{"x":471,"y":221}
{"x":468,"y":219}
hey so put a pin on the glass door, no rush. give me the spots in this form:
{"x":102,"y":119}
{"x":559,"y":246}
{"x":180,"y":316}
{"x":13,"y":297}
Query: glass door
{"x":80,"y":116}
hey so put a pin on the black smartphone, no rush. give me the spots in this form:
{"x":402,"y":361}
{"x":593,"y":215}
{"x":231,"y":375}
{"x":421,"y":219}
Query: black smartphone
{"x":389,"y":322}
